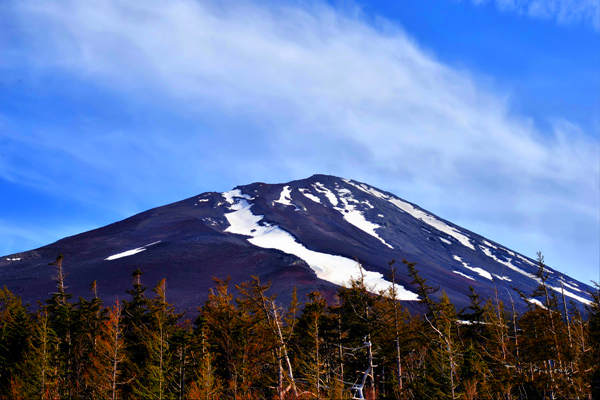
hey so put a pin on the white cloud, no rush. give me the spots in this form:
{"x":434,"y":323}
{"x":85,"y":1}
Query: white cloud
{"x":321,"y":91}
{"x":562,"y":11}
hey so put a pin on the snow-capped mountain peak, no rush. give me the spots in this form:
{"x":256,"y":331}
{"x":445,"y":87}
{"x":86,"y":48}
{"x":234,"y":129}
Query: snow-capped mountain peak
{"x":311,"y":233}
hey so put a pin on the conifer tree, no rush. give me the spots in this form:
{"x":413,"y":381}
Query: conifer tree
{"x":474,"y":334}
{"x":309,"y":338}
{"x":136,"y":320}
{"x":40,"y":368}
{"x":61,"y":313}
{"x":14,"y":332}
{"x":205,"y":383}
{"x":594,"y":340}
{"x":107,"y":360}
{"x":88,"y":319}
{"x":159,"y":373}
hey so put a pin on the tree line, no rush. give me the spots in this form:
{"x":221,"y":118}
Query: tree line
{"x":243,"y":344}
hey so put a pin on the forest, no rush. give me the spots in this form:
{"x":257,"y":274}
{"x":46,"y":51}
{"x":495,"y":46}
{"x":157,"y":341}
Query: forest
{"x":243,"y":344}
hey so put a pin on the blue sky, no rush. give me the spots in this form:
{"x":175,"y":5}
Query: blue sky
{"x":486,"y":113}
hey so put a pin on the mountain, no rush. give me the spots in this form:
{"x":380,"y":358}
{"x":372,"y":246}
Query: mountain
{"x":307,"y":234}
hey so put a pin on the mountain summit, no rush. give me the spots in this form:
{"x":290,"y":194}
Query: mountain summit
{"x":310,"y":234}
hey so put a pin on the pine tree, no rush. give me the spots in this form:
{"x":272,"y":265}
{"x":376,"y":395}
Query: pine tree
{"x":360,"y":321}
{"x":136,"y":320}
{"x":205,"y":384}
{"x":108,"y":358}
{"x":40,"y":368}
{"x":309,"y":344}
{"x":159,"y":373}
{"x":61,"y":313}
{"x":268,"y":318}
{"x":474,"y":334}
{"x":88,"y":319}
{"x":15,"y":329}
{"x":594,"y":342}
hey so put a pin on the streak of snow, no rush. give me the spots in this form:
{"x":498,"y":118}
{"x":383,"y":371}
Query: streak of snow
{"x":526,"y":260}
{"x":368,"y":204}
{"x":367,"y":189}
{"x":432,"y":221}
{"x":488,"y":253}
{"x":356,"y":217}
{"x":285,"y":196}
{"x":571,"y":295}
{"x":319,"y":187}
{"x":381,"y":215}
{"x":465,"y":275}
{"x":203,"y":200}
{"x":445,"y":240}
{"x":532,"y":276}
{"x":311,"y":196}
{"x":13,"y":259}
{"x":537,"y":303}
{"x":332,"y":268}
{"x":503,"y":278}
{"x":567,"y":285}
{"x":480,"y":271}
{"x":232,"y":194}
{"x":131,"y":252}
{"x":488,"y":244}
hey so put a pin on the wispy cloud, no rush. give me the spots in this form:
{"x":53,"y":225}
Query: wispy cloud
{"x":283,"y":91}
{"x":561,"y":11}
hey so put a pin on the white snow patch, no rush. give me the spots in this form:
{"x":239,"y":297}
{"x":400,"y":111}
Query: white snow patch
{"x":368,"y":204}
{"x":13,"y":259}
{"x":524,"y":259}
{"x":309,"y":195}
{"x":203,"y":200}
{"x":465,"y":275}
{"x":567,"y":285}
{"x":503,"y":278}
{"x":367,"y":189}
{"x":232,"y":194}
{"x":381,"y":215}
{"x":285,"y":196}
{"x":445,"y":240}
{"x":537,"y":303}
{"x":480,"y":271}
{"x":534,"y":277}
{"x":319,"y":187}
{"x":432,"y":221}
{"x":571,"y":295}
{"x":488,"y":253}
{"x":356,"y":217}
{"x":332,"y":268}
{"x":488,"y":244}
{"x":131,"y":252}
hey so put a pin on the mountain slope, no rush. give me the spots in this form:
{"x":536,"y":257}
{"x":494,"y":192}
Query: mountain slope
{"x":306,"y":234}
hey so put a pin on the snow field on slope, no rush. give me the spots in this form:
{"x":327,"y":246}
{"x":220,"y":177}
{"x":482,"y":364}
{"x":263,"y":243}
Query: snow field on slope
{"x":416,"y":213}
{"x":285,"y":196}
{"x":465,"y":275}
{"x":130,"y":252}
{"x":432,"y":221}
{"x":356,"y":217}
{"x":537,"y":303}
{"x":309,"y":195}
{"x":332,"y":268}
{"x":479,"y":271}
{"x":319,"y":187}
{"x":508,"y":263}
